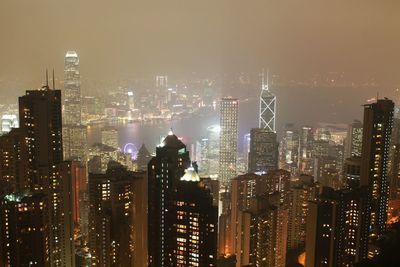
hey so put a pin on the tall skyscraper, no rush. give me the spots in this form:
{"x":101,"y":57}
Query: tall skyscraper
{"x":196,"y":223}
{"x":13,"y":162}
{"x":258,"y":201}
{"x":182,"y":218}
{"x":113,"y":218}
{"x":40,"y":116}
{"x":378,"y":119}
{"x":264,"y":154}
{"x":24,"y":228}
{"x":289,"y":158}
{"x":40,"y":120}
{"x":213,"y":139}
{"x":61,"y":221}
{"x":306,"y":149}
{"x":32,"y":161}
{"x":72,"y":89}
{"x":302,"y":190}
{"x":165,"y":171}
{"x":354,"y":140}
{"x":228,"y":139}
{"x":75,"y":142}
{"x":267,"y":107}
{"x":336,"y":228}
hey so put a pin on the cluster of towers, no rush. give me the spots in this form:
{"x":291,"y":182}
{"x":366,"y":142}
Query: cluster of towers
{"x":165,"y":214}
{"x":269,"y":213}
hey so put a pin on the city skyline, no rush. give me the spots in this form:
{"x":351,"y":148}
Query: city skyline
{"x":199,"y":134}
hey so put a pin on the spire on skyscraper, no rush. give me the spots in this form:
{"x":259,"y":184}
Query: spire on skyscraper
{"x":267,"y":106}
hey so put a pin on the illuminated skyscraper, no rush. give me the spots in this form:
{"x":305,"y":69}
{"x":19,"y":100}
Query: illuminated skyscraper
{"x":8,"y":121}
{"x":114,"y":218}
{"x":182,"y":218}
{"x":263,"y":156}
{"x":13,"y":162}
{"x":40,"y":117}
{"x":378,"y":119}
{"x":228,"y":139}
{"x":267,"y":107}
{"x":72,"y":89}
{"x":336,"y":228}
{"x":24,"y":227}
{"x":164,"y":172}
{"x":61,"y":217}
{"x":213,"y":139}
{"x":40,"y":120}
{"x":75,"y":142}
{"x":354,"y":140}
{"x":196,"y":223}
{"x":258,"y":201}
{"x":289,"y":149}
{"x":302,"y":189}
{"x":306,"y":149}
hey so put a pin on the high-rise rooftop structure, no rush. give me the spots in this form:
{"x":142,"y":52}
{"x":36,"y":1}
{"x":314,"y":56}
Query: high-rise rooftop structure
{"x":72,"y":89}
{"x":40,"y":120}
{"x":196,"y":223}
{"x":228,"y":139}
{"x":32,"y":160}
{"x":164,"y":172}
{"x":267,"y":107}
{"x":41,"y":126}
{"x":377,"y":130}
{"x":8,"y":121}
{"x":264,"y":154}
{"x":182,"y":217}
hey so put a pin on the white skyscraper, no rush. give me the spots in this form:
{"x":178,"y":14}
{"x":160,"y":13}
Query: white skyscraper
{"x":267,"y":107}
{"x":228,"y":139}
{"x":74,"y":133}
{"x":72,"y":89}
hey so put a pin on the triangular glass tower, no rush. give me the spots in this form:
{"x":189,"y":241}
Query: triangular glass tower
{"x":267,"y":107}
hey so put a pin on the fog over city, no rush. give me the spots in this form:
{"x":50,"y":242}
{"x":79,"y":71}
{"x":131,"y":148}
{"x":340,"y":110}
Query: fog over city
{"x":224,"y":133}
{"x":294,"y":38}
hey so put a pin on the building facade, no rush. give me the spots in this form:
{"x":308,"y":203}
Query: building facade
{"x":228,"y":147}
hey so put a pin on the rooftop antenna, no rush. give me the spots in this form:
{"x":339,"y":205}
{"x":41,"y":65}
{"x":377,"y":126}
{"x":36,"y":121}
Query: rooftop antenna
{"x":262,"y":80}
{"x":264,"y":86}
{"x":377,"y":96}
{"x":47,"y":79}
{"x":54,"y":82}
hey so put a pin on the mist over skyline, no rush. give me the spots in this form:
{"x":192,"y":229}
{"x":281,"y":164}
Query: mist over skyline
{"x":294,"y":38}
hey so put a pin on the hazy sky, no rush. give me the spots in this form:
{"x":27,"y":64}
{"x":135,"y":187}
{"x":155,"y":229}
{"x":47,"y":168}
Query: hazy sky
{"x":113,"y":37}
